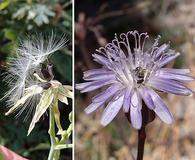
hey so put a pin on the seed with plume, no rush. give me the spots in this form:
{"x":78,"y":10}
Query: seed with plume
{"x":30,"y":55}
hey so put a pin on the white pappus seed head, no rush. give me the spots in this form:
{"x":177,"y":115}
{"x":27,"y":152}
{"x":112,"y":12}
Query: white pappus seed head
{"x":30,"y":54}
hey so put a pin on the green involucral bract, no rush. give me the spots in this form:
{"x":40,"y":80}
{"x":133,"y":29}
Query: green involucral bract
{"x":48,"y":98}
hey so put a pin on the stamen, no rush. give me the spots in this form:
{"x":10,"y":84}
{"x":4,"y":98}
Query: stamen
{"x":118,"y":47}
{"x":136,"y":41}
{"x":125,"y":39}
{"x":145,"y":35}
{"x":155,"y":45}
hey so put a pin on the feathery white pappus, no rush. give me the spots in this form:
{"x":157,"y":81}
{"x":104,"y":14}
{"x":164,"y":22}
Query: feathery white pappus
{"x":31,"y":53}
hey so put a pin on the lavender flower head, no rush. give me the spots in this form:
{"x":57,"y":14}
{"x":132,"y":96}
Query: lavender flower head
{"x":130,"y":74}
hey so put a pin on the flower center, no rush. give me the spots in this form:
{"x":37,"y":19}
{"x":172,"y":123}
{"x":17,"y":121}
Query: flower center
{"x":140,"y":74}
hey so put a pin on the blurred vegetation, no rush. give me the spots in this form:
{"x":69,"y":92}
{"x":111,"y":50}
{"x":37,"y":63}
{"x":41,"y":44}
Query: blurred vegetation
{"x":95,"y":26}
{"x":19,"y":19}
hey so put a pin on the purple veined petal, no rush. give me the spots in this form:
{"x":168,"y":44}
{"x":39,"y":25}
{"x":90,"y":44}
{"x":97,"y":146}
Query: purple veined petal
{"x":81,"y":86}
{"x":109,"y":92}
{"x":93,"y":106}
{"x":101,"y":59}
{"x":106,"y":76}
{"x":118,"y":94}
{"x":177,"y":71}
{"x":168,"y":59}
{"x":169,"y":86}
{"x":136,"y":117}
{"x":145,"y":94}
{"x":135,"y":99}
{"x":160,"y":108}
{"x":111,"y":111}
{"x":93,"y":72}
{"x":135,"y":111}
{"x":127,"y":101}
{"x":90,"y":86}
{"x":175,"y":74}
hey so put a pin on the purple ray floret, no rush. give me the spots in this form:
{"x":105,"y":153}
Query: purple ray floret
{"x":130,"y":75}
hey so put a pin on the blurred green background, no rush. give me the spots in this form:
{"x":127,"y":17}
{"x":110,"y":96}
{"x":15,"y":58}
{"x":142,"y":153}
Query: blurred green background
{"x":19,"y":19}
{"x":96,"y":23}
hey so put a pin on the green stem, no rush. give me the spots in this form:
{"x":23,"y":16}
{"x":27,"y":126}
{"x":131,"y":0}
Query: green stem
{"x":51,"y":132}
{"x":56,"y":144}
{"x":66,"y":135}
{"x":63,"y":146}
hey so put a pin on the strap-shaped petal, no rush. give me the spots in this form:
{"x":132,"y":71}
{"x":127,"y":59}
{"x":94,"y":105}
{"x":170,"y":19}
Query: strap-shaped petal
{"x":169,"y":86}
{"x":145,"y":94}
{"x":135,"y":110}
{"x":109,"y":92}
{"x":127,"y":99}
{"x":175,"y":74}
{"x":93,"y":106}
{"x":111,"y":110}
{"x":160,"y":108}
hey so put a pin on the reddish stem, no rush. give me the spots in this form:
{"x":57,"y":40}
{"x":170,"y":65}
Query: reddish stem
{"x":141,"y":142}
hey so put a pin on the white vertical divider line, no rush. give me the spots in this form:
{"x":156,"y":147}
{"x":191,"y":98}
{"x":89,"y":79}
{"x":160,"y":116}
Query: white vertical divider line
{"x":73,"y":80}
